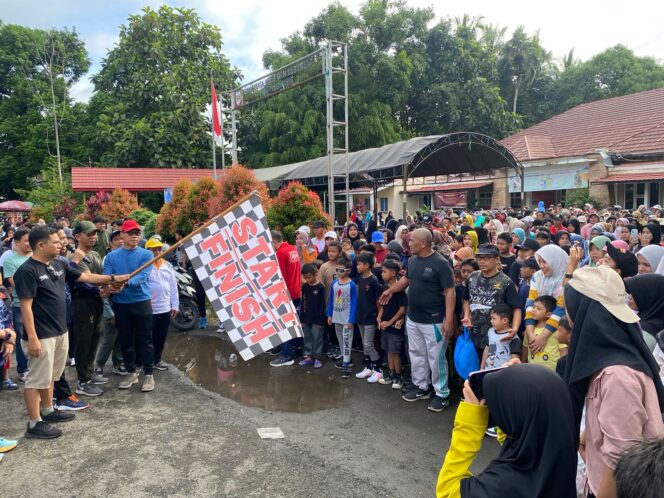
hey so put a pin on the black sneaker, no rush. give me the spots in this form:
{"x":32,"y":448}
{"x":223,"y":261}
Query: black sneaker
{"x":438,"y":404}
{"x":345,"y":373}
{"x":416,"y":395}
{"x":340,"y":365}
{"x":58,"y":416}
{"x":42,"y":430}
{"x":407,"y":386}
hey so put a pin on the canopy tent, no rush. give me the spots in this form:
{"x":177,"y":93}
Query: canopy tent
{"x":14,"y":207}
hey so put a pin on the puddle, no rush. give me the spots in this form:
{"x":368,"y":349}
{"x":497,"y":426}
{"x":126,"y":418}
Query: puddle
{"x":212,"y":362}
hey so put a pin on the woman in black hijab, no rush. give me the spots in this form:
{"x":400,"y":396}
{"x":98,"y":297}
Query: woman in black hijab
{"x":647,"y":292}
{"x":538,"y":458}
{"x":573,"y":226}
{"x":482,"y":236}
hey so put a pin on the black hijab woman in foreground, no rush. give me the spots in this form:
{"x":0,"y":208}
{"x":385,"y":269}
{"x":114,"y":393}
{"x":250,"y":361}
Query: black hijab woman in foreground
{"x":531,"y":406}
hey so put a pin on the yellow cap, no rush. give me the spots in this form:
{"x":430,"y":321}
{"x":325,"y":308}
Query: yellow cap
{"x":153,"y":243}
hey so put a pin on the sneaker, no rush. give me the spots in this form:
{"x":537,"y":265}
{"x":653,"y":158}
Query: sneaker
{"x":88,"y":389}
{"x":72,"y":362}
{"x":148,"y":384}
{"x":337,"y":356}
{"x":416,"y":395}
{"x":58,"y":416}
{"x":99,"y":371}
{"x":10,"y":385}
{"x":306,"y":361}
{"x":161,"y":365}
{"x":407,"y":385}
{"x":492,"y":432}
{"x":376,"y":376}
{"x":72,"y":403}
{"x":364,"y":374}
{"x":7,"y":444}
{"x":397,"y":381}
{"x":318,"y":364}
{"x":387,"y":378}
{"x":274,"y":352}
{"x":129,"y":380}
{"x":282,"y":361}
{"x":98,"y":379}
{"x":345,"y":373}
{"x":120,"y":370}
{"x":340,"y":365}
{"x":202,"y":323}
{"x":42,"y":430}
{"x":23,"y":375}
{"x":438,"y":404}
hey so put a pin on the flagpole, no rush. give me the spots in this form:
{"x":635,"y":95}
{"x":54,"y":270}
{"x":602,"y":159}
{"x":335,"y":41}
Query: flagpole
{"x":221,"y":117}
{"x":214,"y":155}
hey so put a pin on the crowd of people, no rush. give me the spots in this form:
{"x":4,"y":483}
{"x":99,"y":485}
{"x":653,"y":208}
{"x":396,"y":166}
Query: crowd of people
{"x":564,"y":308}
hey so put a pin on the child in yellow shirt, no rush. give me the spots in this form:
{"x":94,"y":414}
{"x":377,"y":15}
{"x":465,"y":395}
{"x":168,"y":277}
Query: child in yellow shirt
{"x":548,"y":354}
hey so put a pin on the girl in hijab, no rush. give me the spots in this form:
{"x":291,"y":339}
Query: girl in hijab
{"x":306,"y":248}
{"x":548,"y":281}
{"x":596,"y":249}
{"x":461,"y":254}
{"x":518,"y":236}
{"x":482,"y":236}
{"x":352,"y":232}
{"x":597,"y":229}
{"x":573,"y":226}
{"x":562,"y":238}
{"x":610,"y":369}
{"x":649,"y":258}
{"x":469,"y":220}
{"x":578,"y":241}
{"x":651,"y":234}
{"x":470,"y":240}
{"x":491,"y":230}
{"x":538,"y":457}
{"x":646,"y":297}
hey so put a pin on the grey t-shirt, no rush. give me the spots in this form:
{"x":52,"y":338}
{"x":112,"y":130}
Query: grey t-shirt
{"x":427,"y":278}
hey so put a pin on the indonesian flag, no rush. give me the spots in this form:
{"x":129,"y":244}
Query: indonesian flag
{"x":216,"y":125}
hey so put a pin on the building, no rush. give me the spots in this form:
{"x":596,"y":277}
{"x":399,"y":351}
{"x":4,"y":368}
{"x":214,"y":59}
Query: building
{"x":615,"y":147}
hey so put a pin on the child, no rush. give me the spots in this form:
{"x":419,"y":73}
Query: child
{"x":312,"y":313}
{"x":390,"y":322}
{"x":347,"y":248}
{"x":327,"y":274}
{"x":528,"y":269}
{"x":342,"y":310}
{"x":563,"y":334}
{"x":377,"y":241}
{"x":368,"y":292}
{"x":542,"y":309}
{"x":499,"y":351}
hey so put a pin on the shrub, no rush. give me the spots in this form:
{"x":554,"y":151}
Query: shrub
{"x":580,"y":197}
{"x":165,"y":225}
{"x":119,"y":205}
{"x":235,"y":183}
{"x":295,"y":206}
{"x":94,"y":204}
{"x":195,"y":207}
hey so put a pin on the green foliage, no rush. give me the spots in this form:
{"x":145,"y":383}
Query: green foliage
{"x":194,"y":209}
{"x":295,"y":206}
{"x":580,"y":197}
{"x":45,"y":193}
{"x":147,"y":219}
{"x":233,"y":184}
{"x":165,"y":225}
{"x":153,"y":87}
{"x":120,"y":203}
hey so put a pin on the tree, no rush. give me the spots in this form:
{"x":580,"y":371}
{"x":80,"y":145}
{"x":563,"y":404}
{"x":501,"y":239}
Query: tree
{"x":233,"y":184}
{"x":119,"y":205}
{"x":295,"y":206}
{"x":153,"y":87}
{"x":165,"y":225}
{"x":51,"y":198}
{"x":194,"y":209}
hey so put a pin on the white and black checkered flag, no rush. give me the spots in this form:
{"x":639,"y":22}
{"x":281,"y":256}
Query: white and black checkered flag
{"x":234,"y":259}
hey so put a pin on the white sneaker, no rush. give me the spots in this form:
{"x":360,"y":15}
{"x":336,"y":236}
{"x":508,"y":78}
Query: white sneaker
{"x":375,"y":377}
{"x":364,"y":373}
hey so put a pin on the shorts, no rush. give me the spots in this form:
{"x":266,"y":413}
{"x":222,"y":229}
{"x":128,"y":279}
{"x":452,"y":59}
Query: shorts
{"x":48,"y":367}
{"x":392,"y":343}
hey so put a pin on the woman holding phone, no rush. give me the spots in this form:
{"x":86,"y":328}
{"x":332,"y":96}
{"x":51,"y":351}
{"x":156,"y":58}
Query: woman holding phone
{"x":538,"y":457}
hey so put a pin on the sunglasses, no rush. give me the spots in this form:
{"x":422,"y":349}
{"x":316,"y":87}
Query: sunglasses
{"x":342,"y":270}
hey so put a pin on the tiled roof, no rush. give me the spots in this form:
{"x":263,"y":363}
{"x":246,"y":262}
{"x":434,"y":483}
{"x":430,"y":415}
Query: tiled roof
{"x":631,"y":123}
{"x":449,"y":187}
{"x":631,"y":177}
{"x":134,"y":179}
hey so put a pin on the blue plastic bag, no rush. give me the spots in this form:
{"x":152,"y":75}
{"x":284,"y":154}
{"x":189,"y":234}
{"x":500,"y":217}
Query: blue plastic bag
{"x":465,"y":357}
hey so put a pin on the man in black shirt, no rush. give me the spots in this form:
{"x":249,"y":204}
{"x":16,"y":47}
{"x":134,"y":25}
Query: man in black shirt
{"x":430,"y":318}
{"x":40,"y":286}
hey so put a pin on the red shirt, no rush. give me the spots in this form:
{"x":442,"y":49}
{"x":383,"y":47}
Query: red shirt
{"x":289,"y":264}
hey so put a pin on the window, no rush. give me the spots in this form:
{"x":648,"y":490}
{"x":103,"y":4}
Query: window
{"x":629,"y":196}
{"x":515,"y":199}
{"x":653,"y":194}
{"x":637,"y":194}
{"x":383,"y":204}
{"x":484,"y":199}
{"x":426,"y":201}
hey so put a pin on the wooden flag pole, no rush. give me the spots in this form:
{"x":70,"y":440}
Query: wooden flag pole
{"x":188,"y":237}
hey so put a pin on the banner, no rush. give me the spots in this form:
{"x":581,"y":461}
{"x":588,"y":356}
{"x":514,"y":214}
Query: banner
{"x":550,"y":178}
{"x":449,"y":199}
{"x":234,"y":259}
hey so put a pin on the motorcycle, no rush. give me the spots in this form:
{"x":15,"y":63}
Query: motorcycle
{"x":188,"y":316}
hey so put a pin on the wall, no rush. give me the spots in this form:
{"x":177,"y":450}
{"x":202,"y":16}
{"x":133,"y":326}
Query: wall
{"x":596,"y":170}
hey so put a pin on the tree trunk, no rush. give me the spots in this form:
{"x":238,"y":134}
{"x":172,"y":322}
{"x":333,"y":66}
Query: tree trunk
{"x":56,"y":129}
{"x":516,"y":96}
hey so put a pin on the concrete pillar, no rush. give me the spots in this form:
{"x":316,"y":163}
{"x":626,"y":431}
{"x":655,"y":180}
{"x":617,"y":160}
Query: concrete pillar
{"x":597,"y":170}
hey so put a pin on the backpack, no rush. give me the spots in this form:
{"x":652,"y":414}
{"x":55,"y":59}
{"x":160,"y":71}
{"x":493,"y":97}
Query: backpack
{"x":465,"y":356}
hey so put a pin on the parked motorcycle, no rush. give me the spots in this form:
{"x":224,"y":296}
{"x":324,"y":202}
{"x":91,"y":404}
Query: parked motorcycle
{"x":188,"y":316}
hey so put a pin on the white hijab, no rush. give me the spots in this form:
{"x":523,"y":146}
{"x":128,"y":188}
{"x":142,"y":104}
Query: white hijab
{"x":557,"y":261}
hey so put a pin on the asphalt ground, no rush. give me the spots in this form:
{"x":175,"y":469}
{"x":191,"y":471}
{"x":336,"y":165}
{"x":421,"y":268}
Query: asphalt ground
{"x":196,"y":435}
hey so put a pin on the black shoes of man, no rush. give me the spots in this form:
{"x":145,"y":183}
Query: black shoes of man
{"x":44,"y":430}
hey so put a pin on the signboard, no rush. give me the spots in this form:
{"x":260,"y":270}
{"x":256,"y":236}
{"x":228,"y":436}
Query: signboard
{"x":551,"y":178}
{"x":234,"y":259}
{"x":449,"y":199}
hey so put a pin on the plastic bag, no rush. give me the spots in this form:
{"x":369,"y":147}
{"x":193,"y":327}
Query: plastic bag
{"x":465,"y":357}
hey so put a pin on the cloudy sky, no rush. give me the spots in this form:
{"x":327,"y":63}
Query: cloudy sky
{"x":249,"y":27}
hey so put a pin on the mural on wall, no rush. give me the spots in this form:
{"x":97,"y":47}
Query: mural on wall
{"x":541,"y":179}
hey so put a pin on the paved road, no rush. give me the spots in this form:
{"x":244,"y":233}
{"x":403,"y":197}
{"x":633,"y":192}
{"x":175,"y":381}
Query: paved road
{"x":342,"y":437}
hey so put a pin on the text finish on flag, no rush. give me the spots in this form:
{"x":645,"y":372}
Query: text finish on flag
{"x":235,"y":261}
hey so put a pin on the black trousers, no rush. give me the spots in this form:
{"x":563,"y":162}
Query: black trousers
{"x":134,"y":322}
{"x":88,"y":323}
{"x":200,"y":294}
{"x":160,"y":323}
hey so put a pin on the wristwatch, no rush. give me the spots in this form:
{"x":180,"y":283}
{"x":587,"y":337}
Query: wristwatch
{"x":568,"y":275}
{"x":112,"y":278}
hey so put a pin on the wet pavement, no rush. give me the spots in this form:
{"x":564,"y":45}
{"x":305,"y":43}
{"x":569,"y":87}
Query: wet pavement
{"x":212,"y":363}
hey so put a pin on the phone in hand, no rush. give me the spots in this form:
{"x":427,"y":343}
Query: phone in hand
{"x":634,"y":233}
{"x":476,"y":380}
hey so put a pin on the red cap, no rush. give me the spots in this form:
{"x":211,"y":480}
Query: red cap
{"x":130,"y":225}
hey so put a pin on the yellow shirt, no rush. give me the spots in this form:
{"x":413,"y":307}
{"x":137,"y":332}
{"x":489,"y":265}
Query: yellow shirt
{"x":551,"y":354}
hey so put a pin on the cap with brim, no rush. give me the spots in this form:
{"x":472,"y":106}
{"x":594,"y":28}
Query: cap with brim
{"x":394,"y":246}
{"x":153,"y":243}
{"x":115,"y":233}
{"x":86,"y":227}
{"x":529,"y":244}
{"x":488,"y":250}
{"x":531,"y":262}
{"x":303,"y":228}
{"x":331,"y":235}
{"x":377,"y":237}
{"x":319,"y":224}
{"x":129,"y":225}
{"x":605,"y":286}
{"x":427,"y":219}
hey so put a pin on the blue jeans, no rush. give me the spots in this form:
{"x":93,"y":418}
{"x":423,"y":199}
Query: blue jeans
{"x":21,"y":359}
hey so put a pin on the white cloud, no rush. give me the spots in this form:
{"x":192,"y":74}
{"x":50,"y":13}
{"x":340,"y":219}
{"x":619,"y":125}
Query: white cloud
{"x":82,"y":90}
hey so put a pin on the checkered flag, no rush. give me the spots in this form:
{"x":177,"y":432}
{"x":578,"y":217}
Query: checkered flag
{"x":234,"y":259}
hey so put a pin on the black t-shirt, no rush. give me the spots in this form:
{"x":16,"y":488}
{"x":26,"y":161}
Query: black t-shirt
{"x":427,"y":279}
{"x":45,"y":284}
{"x":391,"y":308}
{"x":312,"y":306}
{"x":506,"y":263}
{"x":515,"y":272}
{"x":368,"y":292}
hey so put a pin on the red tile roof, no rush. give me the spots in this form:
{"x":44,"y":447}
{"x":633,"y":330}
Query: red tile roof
{"x":631,"y":177}
{"x":448,"y":187}
{"x":133,"y":179}
{"x":631,"y":123}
